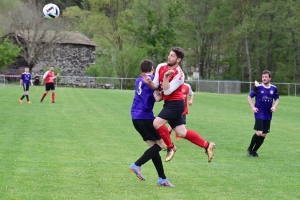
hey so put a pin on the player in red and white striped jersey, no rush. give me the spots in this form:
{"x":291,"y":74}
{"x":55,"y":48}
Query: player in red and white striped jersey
{"x":170,"y":78}
{"x":49,"y":78}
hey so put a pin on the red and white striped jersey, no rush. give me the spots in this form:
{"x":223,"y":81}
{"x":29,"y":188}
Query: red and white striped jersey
{"x":176,"y":80}
{"x":186,"y":90}
{"x":49,"y":77}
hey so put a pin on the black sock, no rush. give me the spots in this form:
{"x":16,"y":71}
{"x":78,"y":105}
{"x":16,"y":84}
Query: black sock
{"x":27,"y":97}
{"x":22,"y":97}
{"x":259,"y":142}
{"x":253,"y":141}
{"x":159,"y":166}
{"x":148,"y":154}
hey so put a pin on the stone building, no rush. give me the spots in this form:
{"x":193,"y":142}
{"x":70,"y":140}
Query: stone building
{"x":75,"y":53}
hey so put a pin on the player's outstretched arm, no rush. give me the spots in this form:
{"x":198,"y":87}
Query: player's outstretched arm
{"x":148,"y":81}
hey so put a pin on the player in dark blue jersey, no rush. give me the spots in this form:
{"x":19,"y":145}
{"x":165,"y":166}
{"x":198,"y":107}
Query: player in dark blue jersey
{"x":142,"y":119}
{"x":263,"y":109}
{"x":25,"y":80}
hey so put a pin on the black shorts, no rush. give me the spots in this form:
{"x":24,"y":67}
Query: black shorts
{"x":172,"y":112}
{"x":146,"y":129}
{"x":26,"y":87}
{"x":50,"y":86}
{"x":184,"y":119}
{"x":262,"y":125}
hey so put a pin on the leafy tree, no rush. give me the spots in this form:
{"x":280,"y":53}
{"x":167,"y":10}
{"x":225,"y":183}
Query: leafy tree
{"x":9,"y":53}
{"x":25,"y":27}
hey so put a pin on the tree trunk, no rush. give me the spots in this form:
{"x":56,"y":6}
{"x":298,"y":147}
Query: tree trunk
{"x":248,"y":60}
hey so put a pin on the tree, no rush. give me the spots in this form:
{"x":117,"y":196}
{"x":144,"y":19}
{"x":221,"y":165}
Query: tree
{"x":25,"y":27}
{"x":9,"y":53}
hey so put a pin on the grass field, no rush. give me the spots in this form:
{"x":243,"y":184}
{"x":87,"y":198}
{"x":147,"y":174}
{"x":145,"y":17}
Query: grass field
{"x":81,"y":148}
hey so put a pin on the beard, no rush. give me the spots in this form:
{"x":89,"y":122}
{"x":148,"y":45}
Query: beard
{"x":171,"y":64}
{"x":266,"y":82}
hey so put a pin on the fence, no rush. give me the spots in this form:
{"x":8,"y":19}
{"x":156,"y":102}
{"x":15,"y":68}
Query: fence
{"x":213,"y":86}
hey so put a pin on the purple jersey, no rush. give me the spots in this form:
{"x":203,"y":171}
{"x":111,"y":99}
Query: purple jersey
{"x":143,"y":102}
{"x":264,"y":100}
{"x":26,"y":77}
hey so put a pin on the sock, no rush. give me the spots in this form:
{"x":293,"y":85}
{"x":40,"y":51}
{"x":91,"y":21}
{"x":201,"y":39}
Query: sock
{"x":159,"y":166}
{"x":259,"y":142}
{"x":193,"y":137}
{"x":253,"y":141}
{"x":43,"y":96}
{"x":164,"y":134}
{"x":148,"y":154}
{"x":53,"y":97}
{"x":22,"y":97}
{"x":27,"y":97}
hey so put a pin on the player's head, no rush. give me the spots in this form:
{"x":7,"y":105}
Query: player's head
{"x":146,"y":66}
{"x":266,"y":77}
{"x":51,"y":68}
{"x":175,"y":56}
{"x":26,"y":69}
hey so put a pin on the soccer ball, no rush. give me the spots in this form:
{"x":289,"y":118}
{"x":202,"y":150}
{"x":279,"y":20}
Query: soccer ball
{"x":51,"y":11}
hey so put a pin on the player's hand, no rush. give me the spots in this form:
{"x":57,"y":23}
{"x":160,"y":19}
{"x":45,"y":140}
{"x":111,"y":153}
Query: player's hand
{"x":254,"y":109}
{"x":273,"y":109}
{"x":169,"y":72}
{"x":146,"y":78}
{"x":256,"y":83}
{"x":20,"y":86}
{"x":190,"y":103}
{"x":57,"y":74}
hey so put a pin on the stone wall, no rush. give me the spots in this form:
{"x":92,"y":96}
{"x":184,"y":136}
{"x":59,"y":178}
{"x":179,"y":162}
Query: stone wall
{"x":71,"y":59}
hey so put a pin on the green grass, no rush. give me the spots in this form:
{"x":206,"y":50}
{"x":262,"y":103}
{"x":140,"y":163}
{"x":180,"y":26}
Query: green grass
{"x":81,"y":148}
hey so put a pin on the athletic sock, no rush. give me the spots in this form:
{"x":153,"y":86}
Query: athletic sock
{"x":165,"y":135}
{"x":27,"y":97}
{"x":148,"y":154}
{"x":253,"y":141}
{"x":159,"y":166}
{"x":45,"y":93}
{"x":259,"y":142}
{"x":22,"y":97}
{"x":53,"y":97}
{"x":195,"y":138}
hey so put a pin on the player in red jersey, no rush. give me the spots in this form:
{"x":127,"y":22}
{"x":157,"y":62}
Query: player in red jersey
{"x":186,"y":90}
{"x":49,"y":77}
{"x":170,"y":78}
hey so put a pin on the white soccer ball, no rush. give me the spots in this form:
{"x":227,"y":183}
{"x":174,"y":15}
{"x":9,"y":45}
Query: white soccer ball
{"x":51,"y":11}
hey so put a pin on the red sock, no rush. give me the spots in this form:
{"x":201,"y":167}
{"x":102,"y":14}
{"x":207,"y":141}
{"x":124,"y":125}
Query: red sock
{"x":164,"y":134}
{"x":45,"y":93}
{"x":195,"y":138}
{"x":53,"y":97}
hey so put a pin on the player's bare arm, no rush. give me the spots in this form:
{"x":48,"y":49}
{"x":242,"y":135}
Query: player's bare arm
{"x":166,"y":83}
{"x":254,"y":109}
{"x":157,"y":95}
{"x":148,"y":81}
{"x":21,"y":83}
{"x":273,"y":109}
{"x":190,"y":102}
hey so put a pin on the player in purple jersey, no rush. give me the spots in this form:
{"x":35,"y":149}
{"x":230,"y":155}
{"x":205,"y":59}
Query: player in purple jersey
{"x":142,"y":119}
{"x":25,"y":80}
{"x":264,"y":94}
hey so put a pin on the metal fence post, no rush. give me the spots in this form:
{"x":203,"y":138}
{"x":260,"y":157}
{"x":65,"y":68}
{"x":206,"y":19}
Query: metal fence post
{"x":121,"y":83}
{"x":289,"y":89}
{"x":218,"y":87}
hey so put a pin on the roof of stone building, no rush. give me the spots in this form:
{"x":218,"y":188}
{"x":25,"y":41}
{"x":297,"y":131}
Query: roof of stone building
{"x":67,"y":37}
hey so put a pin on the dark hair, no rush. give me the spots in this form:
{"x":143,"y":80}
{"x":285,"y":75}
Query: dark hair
{"x":267,"y":72}
{"x":179,"y":52}
{"x":146,"y":65}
